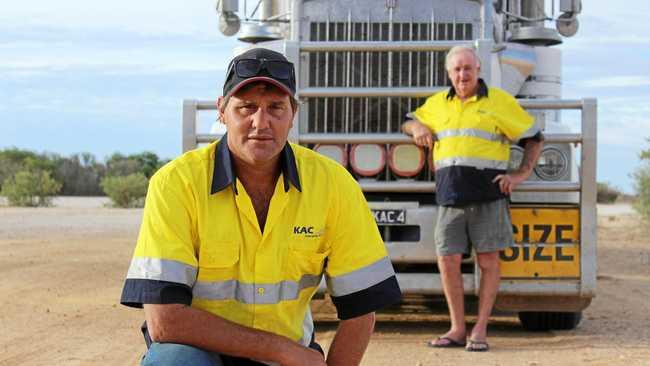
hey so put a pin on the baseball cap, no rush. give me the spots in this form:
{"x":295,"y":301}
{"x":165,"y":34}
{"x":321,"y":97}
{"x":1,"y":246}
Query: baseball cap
{"x":260,"y":64}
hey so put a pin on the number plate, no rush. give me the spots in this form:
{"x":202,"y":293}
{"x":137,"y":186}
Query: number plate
{"x":389,"y":217}
{"x":548,"y":244}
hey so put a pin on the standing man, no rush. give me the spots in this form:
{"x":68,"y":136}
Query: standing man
{"x":473,"y":126}
{"x":236,"y":237}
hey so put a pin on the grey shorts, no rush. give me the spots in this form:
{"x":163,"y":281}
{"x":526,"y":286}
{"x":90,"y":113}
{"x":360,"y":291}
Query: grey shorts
{"x":485,"y":226}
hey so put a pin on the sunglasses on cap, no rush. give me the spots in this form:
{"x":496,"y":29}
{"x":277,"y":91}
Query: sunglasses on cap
{"x":249,"y":67}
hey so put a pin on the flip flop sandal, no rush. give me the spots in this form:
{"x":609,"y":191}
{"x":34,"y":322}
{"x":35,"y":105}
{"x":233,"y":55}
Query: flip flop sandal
{"x":477,"y":346}
{"x":450,"y":343}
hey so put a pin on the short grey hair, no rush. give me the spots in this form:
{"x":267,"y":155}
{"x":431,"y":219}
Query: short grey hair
{"x":460,"y":49}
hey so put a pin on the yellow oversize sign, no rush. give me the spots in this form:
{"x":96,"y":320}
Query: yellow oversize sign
{"x":548,"y":244}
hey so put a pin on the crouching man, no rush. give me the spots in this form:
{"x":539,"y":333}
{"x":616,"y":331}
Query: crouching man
{"x":236,"y":237}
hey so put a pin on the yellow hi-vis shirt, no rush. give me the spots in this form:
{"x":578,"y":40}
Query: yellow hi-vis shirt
{"x":473,"y":141}
{"x":200,"y":243}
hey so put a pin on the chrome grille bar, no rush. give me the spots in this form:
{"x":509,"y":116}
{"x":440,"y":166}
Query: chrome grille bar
{"x":381,"y":46}
{"x":398,"y":138}
{"x":334,"y":92}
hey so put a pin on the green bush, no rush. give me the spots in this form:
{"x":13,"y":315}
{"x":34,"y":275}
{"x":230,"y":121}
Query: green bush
{"x":642,"y":185}
{"x":146,"y":162}
{"x":8,"y":169}
{"x":79,"y":174}
{"x":126,"y":191}
{"x":606,"y":193}
{"x":30,"y":188}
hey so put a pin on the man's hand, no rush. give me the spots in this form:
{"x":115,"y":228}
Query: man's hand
{"x":420,"y":133}
{"x":302,"y":356}
{"x":508,"y":182}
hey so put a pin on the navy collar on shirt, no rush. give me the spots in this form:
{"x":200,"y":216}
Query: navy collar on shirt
{"x":480,"y":93}
{"x":224,"y":172}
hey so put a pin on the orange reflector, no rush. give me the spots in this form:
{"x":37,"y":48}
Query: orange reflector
{"x":367,"y":159}
{"x":337,"y":153}
{"x":406,"y":160}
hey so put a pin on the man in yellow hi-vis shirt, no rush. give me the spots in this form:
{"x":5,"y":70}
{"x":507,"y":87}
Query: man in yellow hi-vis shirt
{"x":473,"y":126}
{"x":236,"y":238}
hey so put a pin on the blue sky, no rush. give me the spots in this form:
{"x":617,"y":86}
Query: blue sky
{"x":111,"y":76}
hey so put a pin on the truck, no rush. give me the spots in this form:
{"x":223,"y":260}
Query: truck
{"x":362,"y":65}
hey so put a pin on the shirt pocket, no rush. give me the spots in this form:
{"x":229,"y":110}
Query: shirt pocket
{"x":488,"y":121}
{"x":218,"y":260}
{"x":305,"y":258}
{"x":440,"y":123}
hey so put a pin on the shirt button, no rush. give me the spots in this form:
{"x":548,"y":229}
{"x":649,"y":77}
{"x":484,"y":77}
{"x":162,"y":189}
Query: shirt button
{"x":260,"y":290}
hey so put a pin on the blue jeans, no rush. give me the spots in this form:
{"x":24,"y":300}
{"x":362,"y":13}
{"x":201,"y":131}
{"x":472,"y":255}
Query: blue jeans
{"x":174,"y":354}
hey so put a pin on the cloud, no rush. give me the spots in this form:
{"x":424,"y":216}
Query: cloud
{"x":624,"y":40}
{"x":147,"y":17}
{"x":617,"y":82}
{"x":602,"y":24}
{"x":33,"y":58}
{"x":11,"y":35}
{"x":624,"y":121}
{"x":21,"y":70}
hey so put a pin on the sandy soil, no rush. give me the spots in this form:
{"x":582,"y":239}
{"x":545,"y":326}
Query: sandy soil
{"x":62,"y":270}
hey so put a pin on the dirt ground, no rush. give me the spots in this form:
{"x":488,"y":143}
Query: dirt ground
{"x":62,"y":269}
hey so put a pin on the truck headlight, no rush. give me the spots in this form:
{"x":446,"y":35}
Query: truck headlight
{"x":337,"y":153}
{"x":367,"y":159}
{"x":552,"y":164}
{"x":405,"y":160}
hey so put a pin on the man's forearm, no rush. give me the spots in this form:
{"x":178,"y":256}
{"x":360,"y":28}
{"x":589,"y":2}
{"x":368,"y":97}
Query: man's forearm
{"x":351,"y":341}
{"x":407,"y":127}
{"x":187,"y":325}
{"x":532,"y":150}
{"x":420,"y":133}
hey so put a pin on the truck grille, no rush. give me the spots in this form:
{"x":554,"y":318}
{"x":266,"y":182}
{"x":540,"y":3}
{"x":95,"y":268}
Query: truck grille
{"x":374,"y":69}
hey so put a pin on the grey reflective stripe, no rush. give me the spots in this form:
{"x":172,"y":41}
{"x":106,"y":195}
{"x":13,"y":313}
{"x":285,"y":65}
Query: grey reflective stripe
{"x":307,"y":328}
{"x":360,"y":279}
{"x":249,"y":293}
{"x":472,"y":132}
{"x":471,"y":162}
{"x":147,"y":268}
{"x":530,"y":132}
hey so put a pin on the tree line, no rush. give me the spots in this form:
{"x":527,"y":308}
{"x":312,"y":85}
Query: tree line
{"x":28,"y":178}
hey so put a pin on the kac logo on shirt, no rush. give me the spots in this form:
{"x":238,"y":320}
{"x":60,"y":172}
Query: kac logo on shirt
{"x":308,"y":231}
